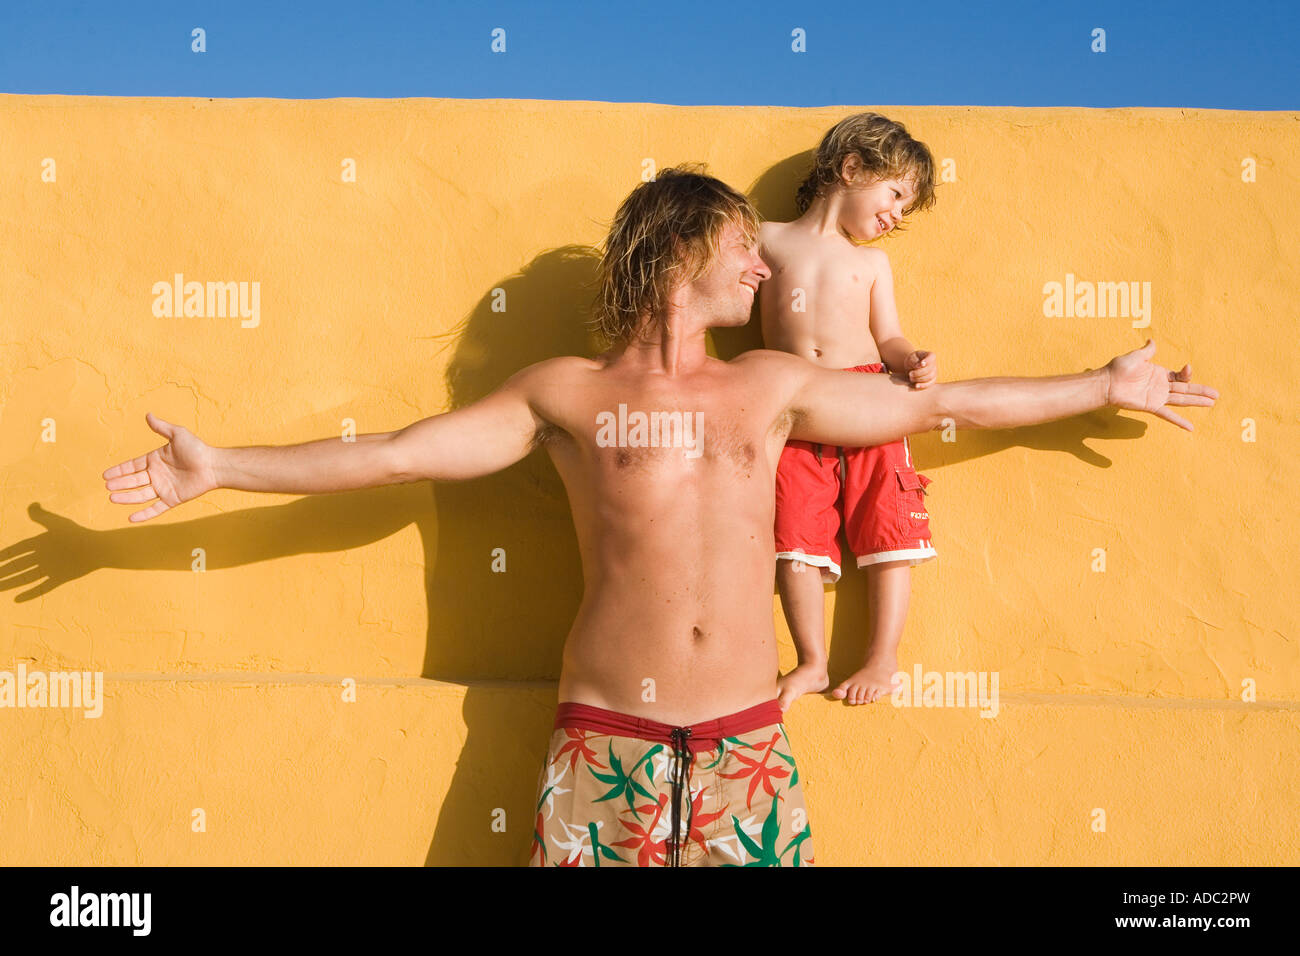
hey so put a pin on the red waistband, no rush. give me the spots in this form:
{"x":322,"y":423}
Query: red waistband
{"x":704,"y":735}
{"x":873,"y":367}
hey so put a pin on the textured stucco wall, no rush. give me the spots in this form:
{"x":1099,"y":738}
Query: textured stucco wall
{"x":1121,"y":689}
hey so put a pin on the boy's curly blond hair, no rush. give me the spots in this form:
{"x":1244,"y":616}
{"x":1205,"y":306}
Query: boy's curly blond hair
{"x":887,"y":151}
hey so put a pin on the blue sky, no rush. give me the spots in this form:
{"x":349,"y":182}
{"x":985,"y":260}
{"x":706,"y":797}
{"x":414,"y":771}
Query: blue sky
{"x":1192,"y":54}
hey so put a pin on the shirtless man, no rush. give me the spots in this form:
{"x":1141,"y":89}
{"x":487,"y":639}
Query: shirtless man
{"x":668,"y":746}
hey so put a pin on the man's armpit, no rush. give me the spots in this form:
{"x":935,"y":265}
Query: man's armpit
{"x":547,"y":434}
{"x":786,"y":422}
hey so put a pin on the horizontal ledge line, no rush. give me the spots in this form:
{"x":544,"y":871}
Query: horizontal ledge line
{"x":255,"y":677}
{"x":1032,"y":698}
{"x":1170,"y":703}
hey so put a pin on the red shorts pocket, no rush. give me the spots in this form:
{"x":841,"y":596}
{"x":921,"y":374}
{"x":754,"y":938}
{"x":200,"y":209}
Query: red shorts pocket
{"x":912,"y":513}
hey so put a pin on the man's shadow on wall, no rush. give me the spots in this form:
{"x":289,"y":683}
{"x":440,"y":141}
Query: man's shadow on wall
{"x":486,"y":625}
{"x":502,"y":571}
{"x":773,"y":193}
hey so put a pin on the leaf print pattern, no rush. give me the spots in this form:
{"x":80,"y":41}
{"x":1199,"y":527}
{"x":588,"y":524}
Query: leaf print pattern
{"x":605,"y":800}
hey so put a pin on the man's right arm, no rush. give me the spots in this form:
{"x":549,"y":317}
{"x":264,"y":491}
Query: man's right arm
{"x":479,"y":439}
{"x":476,"y":440}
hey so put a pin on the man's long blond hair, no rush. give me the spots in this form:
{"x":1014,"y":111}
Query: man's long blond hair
{"x":666,"y":232}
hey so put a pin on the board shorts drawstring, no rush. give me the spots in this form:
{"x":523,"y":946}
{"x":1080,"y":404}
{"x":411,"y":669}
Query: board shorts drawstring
{"x":681,"y":781}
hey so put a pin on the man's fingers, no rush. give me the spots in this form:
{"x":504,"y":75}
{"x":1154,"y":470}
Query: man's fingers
{"x":1193,"y":388}
{"x":1169,"y":416}
{"x":134,"y":480}
{"x":1181,"y":398}
{"x":133,"y":497}
{"x":127,"y":467}
{"x":157,"y":508}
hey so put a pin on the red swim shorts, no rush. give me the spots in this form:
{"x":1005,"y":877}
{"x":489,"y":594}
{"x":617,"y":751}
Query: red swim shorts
{"x":885,"y":514}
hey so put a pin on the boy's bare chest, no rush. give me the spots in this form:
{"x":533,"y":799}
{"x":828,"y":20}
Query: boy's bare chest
{"x":802,"y":283}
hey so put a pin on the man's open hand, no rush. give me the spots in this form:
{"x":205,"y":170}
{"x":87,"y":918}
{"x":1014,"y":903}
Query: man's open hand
{"x":176,"y":472}
{"x":1135,"y":382}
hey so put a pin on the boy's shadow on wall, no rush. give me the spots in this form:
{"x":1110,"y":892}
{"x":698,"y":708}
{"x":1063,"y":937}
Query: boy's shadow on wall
{"x":485,"y":625}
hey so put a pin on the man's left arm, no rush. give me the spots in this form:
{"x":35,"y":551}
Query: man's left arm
{"x":848,"y":408}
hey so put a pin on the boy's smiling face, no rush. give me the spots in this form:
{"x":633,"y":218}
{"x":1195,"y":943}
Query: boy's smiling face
{"x":872,"y":207}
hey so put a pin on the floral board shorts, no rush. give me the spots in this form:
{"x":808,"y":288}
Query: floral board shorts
{"x":620,"y":790}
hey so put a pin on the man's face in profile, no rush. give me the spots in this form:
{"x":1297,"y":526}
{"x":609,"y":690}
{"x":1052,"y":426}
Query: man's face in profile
{"x":724,"y":295}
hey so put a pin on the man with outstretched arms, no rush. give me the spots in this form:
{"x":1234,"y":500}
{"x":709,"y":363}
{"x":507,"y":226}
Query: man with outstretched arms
{"x":669,"y":747}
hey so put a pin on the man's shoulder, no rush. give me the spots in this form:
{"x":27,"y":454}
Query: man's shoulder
{"x":770,"y":362}
{"x":553,"y":370}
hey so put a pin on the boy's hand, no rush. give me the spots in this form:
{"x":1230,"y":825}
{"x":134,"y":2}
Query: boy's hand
{"x":922,"y":368}
{"x":167,"y":476}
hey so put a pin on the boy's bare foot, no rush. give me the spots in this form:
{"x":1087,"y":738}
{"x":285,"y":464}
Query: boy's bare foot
{"x":804,"y":679}
{"x":868,"y":683}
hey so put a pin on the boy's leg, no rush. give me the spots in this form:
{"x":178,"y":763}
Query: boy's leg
{"x":807,"y":486}
{"x":802,"y":601}
{"x":888,"y":527}
{"x":889,"y":587}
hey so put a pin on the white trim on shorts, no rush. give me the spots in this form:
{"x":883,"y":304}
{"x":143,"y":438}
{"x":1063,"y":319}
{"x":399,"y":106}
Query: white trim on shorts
{"x":913,"y":556}
{"x":830,"y":570}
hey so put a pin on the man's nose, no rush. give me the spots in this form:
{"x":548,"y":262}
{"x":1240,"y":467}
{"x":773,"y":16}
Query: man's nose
{"x":760,"y":268}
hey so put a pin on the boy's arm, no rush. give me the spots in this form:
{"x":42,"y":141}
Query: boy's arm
{"x":919,"y":368}
{"x":479,"y":439}
{"x":849,"y":408}
{"x":885,"y":328}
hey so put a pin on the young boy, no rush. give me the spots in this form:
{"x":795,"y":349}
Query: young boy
{"x":831,"y":300}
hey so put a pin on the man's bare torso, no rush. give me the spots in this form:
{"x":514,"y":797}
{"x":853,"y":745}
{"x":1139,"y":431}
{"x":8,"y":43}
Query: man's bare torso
{"x":818,"y":302}
{"x":677,"y":546}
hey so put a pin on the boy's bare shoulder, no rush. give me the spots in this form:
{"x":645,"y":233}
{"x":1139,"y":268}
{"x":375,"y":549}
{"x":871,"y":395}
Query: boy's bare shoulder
{"x":771,"y":233}
{"x":874,"y":256}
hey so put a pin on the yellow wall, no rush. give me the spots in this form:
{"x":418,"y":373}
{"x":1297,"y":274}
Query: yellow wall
{"x":1121,"y":690}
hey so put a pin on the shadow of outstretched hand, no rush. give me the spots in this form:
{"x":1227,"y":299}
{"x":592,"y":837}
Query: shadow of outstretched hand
{"x":315,"y":524}
{"x":63,"y":552}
